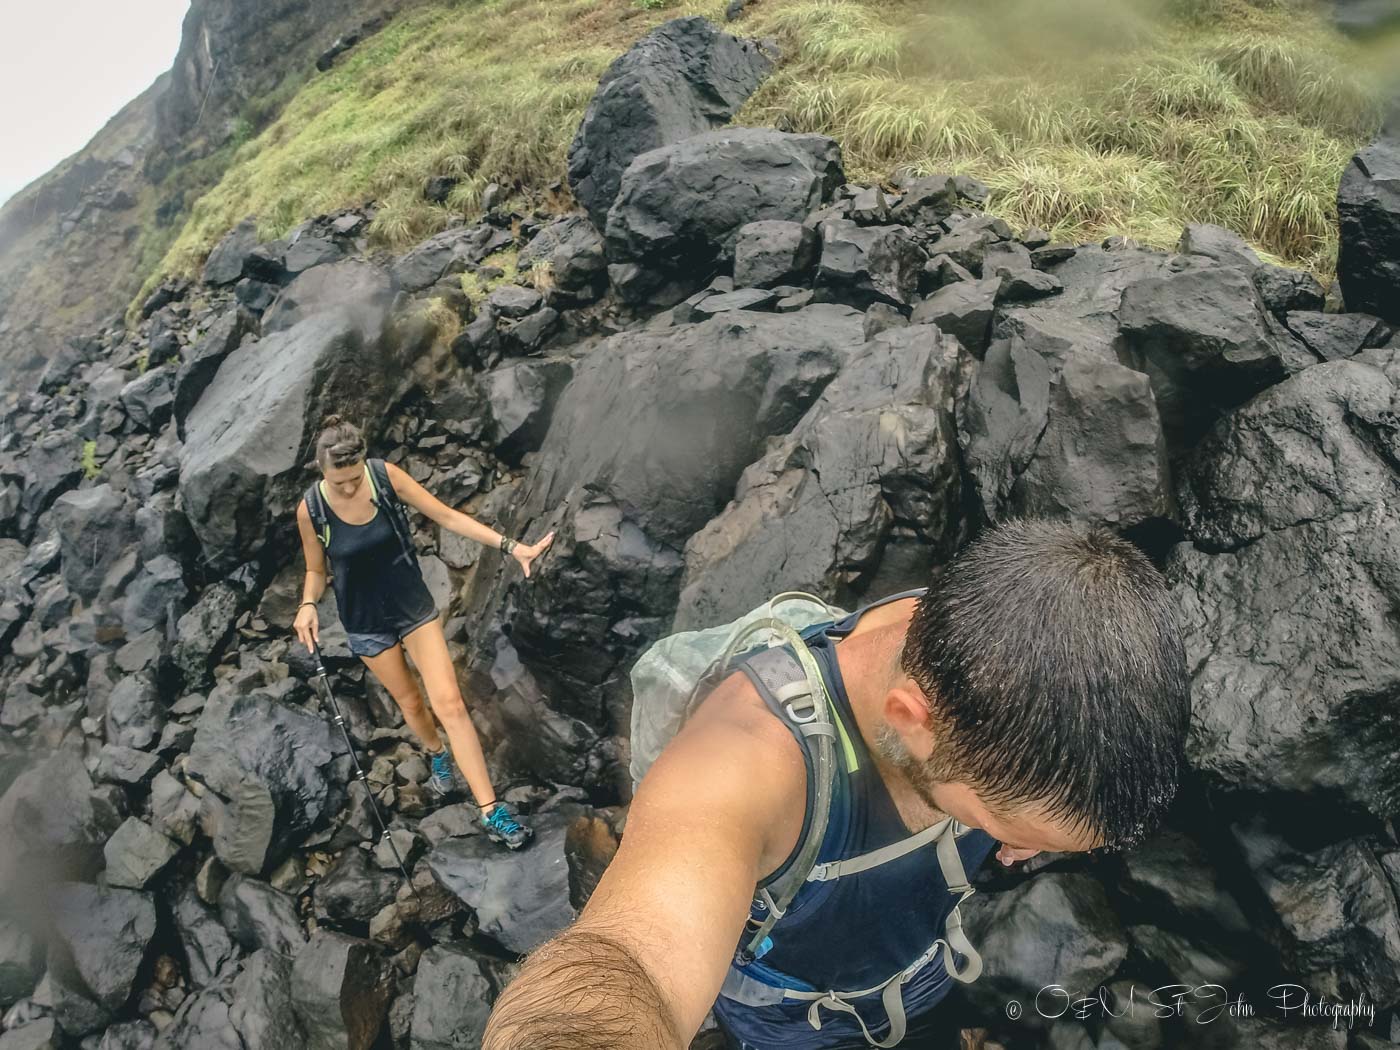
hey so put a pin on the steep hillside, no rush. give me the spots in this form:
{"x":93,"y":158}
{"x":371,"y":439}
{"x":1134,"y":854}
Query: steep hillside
{"x":76,"y":244}
{"x":1087,"y":118}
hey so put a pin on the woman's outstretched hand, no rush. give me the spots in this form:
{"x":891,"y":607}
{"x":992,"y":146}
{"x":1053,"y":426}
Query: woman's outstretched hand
{"x":308,"y":626}
{"x":525,"y":555}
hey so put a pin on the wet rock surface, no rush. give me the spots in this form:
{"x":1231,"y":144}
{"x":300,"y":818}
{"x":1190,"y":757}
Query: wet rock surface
{"x":728,"y":374}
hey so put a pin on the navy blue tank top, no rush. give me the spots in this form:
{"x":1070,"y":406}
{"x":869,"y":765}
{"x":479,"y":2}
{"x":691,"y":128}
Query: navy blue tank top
{"x":376,"y":589}
{"x":856,"y":931}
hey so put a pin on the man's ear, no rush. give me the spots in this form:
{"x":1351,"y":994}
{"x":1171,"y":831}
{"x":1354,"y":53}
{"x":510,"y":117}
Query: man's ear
{"x":907,"y":712}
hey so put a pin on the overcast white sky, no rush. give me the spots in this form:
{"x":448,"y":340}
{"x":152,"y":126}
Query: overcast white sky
{"x":66,"y":69}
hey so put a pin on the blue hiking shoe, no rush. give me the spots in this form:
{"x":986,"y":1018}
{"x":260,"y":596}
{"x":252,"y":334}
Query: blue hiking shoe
{"x":442,"y":779}
{"x":503,"y":826}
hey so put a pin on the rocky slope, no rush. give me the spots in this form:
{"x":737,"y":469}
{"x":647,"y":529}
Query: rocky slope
{"x":75,"y":244}
{"x":753,"y":376}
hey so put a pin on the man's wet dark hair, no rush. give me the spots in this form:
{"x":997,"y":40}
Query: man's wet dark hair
{"x":1055,"y":668}
{"x":341,"y":443}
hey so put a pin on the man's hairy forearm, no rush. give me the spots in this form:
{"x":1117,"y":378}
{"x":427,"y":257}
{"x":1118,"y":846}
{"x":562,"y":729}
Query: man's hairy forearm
{"x":582,"y":991}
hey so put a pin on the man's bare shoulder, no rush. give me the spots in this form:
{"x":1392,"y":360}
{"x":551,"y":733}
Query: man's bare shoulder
{"x":735,"y":753}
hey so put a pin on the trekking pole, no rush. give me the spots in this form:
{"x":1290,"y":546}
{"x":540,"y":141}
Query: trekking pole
{"x":324,"y":688}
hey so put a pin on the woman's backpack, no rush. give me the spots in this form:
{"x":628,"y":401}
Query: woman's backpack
{"x":381,"y":494}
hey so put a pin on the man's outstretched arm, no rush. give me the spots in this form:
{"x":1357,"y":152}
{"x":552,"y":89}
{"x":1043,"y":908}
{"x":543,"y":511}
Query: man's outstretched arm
{"x":644,"y":962}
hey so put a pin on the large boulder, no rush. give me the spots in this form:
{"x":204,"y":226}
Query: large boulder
{"x":1077,"y":439}
{"x":251,"y":431}
{"x":1338,"y":908}
{"x":446,"y":253}
{"x":646,"y":444}
{"x":136,"y":853}
{"x":872,"y":263}
{"x":262,"y":1011}
{"x":134,"y":713}
{"x":1368,"y":210}
{"x":207,"y":944}
{"x":1056,"y":930}
{"x":520,"y":899}
{"x":95,"y":529}
{"x":963,"y":309}
{"x":273,"y":774}
{"x":772,"y":252}
{"x":202,"y":362}
{"x":203,"y":1021}
{"x":682,"y":78}
{"x":571,"y":249}
{"x":102,"y":938}
{"x":340,"y":990}
{"x":150,"y":397}
{"x":156,"y":596}
{"x":353,"y":281}
{"x":18,"y":963}
{"x":1289,"y":584}
{"x":353,"y":890}
{"x":451,"y":1000}
{"x":203,"y":632}
{"x":1218,"y":245}
{"x":1035,"y":438}
{"x":680,"y":207}
{"x":879,"y":447}
{"x":47,"y":468}
{"x":259,"y":916}
{"x":53,"y":825}
{"x":521,"y":395}
{"x":1199,"y":332}
{"x":229,"y":259}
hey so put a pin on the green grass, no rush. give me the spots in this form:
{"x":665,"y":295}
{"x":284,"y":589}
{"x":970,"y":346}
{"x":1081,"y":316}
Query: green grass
{"x":89,"y":460}
{"x":1085,"y":117}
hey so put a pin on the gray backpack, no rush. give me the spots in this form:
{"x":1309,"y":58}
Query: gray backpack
{"x":674,"y":675}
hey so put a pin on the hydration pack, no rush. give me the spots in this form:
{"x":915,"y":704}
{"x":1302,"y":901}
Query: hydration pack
{"x":676,"y":673}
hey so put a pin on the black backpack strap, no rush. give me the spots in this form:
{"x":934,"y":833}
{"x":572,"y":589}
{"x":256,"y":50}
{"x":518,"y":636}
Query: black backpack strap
{"x":385,"y":496}
{"x":316,"y":507}
{"x":849,"y":624}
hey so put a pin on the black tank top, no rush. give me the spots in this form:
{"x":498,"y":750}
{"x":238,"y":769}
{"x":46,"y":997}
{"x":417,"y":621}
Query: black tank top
{"x":377,"y":587}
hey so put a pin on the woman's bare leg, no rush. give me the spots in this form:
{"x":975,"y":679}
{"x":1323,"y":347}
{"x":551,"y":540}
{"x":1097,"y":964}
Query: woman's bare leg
{"x":428,"y":647}
{"x":394,"y":675}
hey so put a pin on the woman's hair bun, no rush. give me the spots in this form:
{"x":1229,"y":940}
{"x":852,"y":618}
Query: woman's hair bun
{"x":340,"y":443}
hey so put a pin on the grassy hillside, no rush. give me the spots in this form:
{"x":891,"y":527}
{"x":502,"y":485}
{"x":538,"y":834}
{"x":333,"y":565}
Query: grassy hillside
{"x":1086,"y":117}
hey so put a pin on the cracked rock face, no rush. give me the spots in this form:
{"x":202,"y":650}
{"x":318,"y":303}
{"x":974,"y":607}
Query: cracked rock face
{"x":1288,"y":589}
{"x":877,"y":450}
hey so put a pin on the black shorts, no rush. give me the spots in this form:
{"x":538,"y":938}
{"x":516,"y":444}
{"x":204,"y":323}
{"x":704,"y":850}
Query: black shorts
{"x":372,"y":643}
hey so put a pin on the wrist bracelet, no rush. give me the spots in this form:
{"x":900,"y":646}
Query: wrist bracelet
{"x":306,"y":603}
{"x":508,"y":545}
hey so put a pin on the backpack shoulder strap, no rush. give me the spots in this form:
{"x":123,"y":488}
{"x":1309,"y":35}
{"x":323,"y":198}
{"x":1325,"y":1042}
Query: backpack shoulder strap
{"x":381,"y":488}
{"x":316,"y":507}
{"x":790,"y":683}
{"x":382,"y":494}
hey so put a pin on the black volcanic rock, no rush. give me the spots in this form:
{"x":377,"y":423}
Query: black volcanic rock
{"x":1368,"y":211}
{"x":684,"y":77}
{"x":680,"y":207}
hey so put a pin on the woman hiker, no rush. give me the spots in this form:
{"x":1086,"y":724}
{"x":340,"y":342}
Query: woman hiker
{"x":386,"y":607}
